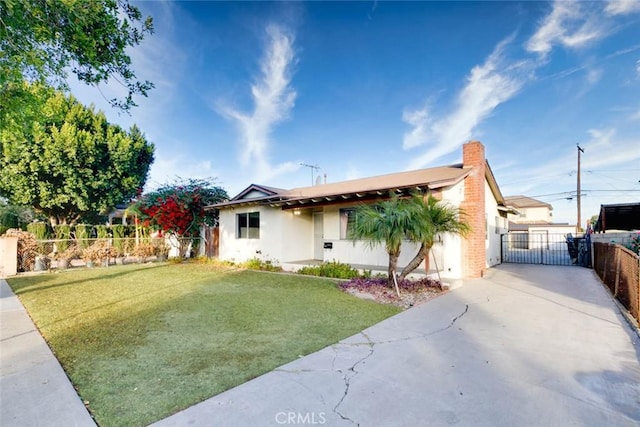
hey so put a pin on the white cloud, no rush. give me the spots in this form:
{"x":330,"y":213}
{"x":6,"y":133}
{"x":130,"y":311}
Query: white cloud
{"x":273,"y":99}
{"x":622,"y":7}
{"x":594,"y":75}
{"x":638,"y":67}
{"x":488,"y":85}
{"x":567,"y":25}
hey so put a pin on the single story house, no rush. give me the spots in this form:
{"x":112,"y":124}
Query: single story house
{"x":300,"y":225}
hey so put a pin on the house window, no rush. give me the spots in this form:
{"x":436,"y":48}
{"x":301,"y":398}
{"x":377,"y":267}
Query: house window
{"x":248,"y":225}
{"x":347,"y":222}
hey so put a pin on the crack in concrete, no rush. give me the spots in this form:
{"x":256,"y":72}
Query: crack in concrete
{"x":425,"y":335}
{"x":350,"y":374}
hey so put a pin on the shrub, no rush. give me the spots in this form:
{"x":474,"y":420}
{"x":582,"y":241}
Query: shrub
{"x":258,"y":264}
{"x":41,"y":230}
{"x":62,"y":233}
{"x":84,"y":232}
{"x":100,"y":250}
{"x":332,"y":269}
{"x":634,"y":244}
{"x":102,"y":232}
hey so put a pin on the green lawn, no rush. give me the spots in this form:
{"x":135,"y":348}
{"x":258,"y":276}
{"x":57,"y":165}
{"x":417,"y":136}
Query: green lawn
{"x":141,"y":342}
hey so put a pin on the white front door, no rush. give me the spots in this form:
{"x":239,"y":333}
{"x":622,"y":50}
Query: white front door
{"x":318,"y":236}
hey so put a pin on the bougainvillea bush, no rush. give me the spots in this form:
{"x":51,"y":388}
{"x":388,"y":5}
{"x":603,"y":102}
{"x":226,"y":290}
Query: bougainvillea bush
{"x":179,"y":208}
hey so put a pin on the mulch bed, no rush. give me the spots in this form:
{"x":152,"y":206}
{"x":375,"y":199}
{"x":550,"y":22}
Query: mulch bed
{"x":412,"y":292}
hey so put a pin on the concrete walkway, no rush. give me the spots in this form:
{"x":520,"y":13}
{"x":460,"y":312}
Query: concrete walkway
{"x":525,"y":346}
{"x":34,"y":390}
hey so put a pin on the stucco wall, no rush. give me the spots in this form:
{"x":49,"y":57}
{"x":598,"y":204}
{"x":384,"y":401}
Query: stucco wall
{"x":496,"y":226}
{"x":8,"y":256}
{"x":532,"y":214}
{"x":296,"y":236}
{"x":267,"y":247}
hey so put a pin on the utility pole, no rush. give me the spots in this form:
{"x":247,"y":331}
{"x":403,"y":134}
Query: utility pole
{"x":579,"y":224}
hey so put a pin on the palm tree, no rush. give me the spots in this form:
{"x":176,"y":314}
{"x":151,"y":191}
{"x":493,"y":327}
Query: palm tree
{"x":387,"y":222}
{"x":438,"y":218}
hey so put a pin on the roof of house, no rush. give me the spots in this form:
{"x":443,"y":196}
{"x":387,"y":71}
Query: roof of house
{"x":525,"y":202}
{"x":402,"y":183}
{"x":624,"y":216}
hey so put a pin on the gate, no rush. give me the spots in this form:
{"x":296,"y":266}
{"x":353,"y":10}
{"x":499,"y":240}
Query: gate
{"x":542,"y":248}
{"x":212,"y":241}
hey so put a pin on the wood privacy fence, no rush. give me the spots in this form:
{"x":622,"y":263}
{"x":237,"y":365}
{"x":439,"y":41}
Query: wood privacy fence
{"x":619,"y":269}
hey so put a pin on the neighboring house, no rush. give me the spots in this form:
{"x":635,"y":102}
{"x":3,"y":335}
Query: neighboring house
{"x":312,"y":223}
{"x":527,"y":210}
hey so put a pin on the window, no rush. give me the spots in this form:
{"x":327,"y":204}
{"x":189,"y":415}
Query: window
{"x":347,"y":221}
{"x":248,"y":225}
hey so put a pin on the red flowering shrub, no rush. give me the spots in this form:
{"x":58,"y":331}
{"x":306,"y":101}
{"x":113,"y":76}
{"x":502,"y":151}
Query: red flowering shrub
{"x":178,"y":208}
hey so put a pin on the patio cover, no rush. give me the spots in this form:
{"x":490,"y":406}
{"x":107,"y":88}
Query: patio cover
{"x":624,"y":216}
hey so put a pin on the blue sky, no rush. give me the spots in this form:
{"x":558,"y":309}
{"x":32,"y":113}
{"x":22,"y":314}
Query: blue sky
{"x":246,"y":92}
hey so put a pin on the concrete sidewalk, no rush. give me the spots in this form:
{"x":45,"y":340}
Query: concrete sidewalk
{"x":526,"y":346}
{"x":34,"y":390}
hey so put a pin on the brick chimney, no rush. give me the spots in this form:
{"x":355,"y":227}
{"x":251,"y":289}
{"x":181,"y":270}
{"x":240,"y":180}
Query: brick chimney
{"x":474,"y":246}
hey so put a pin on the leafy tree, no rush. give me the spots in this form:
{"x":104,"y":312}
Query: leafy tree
{"x":40,"y":40}
{"x":179,"y":208}
{"x":66,"y":161}
{"x":437,"y":218}
{"x":387,"y":223}
{"x":12,"y":216}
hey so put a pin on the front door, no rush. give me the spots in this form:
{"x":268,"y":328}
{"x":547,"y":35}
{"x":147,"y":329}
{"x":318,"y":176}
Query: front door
{"x":318,"y":236}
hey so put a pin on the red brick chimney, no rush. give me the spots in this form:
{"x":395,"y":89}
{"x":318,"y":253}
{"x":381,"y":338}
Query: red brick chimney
{"x":474,"y":246}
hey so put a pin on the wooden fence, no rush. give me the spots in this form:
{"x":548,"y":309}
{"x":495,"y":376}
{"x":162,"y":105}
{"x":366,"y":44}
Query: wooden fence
{"x":619,"y":269}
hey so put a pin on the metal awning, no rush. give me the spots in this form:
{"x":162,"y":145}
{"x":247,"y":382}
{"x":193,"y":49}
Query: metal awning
{"x":624,"y":216}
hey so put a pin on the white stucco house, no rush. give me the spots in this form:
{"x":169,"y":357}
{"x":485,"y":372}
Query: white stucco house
{"x":310,"y":224}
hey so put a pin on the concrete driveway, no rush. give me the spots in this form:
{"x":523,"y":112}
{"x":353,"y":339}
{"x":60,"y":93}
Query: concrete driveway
{"x":525,"y":346}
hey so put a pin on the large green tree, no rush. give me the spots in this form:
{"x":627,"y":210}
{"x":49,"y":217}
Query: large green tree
{"x":437,"y":218}
{"x":387,"y":223}
{"x":66,"y":160}
{"x":42,"y":40}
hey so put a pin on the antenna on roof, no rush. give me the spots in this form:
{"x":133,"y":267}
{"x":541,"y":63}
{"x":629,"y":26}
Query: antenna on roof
{"x":313,"y":168}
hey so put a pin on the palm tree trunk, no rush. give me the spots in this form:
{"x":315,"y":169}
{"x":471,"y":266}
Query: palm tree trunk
{"x":415,"y":262}
{"x":427,"y":266}
{"x":393,"y":267}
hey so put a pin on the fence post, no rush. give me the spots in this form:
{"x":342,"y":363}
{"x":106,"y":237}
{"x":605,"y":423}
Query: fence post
{"x":617,"y":259}
{"x":604,"y":264}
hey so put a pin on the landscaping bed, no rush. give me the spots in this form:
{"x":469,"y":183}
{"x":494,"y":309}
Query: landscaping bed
{"x":412,"y":292}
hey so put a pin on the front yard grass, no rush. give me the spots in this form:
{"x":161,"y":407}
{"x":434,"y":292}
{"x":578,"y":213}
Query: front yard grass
{"x":141,"y":342}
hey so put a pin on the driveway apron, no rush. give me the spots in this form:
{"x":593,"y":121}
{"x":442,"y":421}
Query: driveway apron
{"x":526,"y":345}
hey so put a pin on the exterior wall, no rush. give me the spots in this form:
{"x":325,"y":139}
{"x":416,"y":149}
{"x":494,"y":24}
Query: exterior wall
{"x":297,"y":235}
{"x":358,"y":252}
{"x":268,"y":246}
{"x":449,"y":255}
{"x":531,"y":215}
{"x":496,"y":225}
{"x":8,"y":256}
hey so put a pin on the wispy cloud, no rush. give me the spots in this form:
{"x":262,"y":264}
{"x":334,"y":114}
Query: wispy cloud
{"x":488,"y":85}
{"x":622,"y":7}
{"x":567,"y":25}
{"x":273,"y":99}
